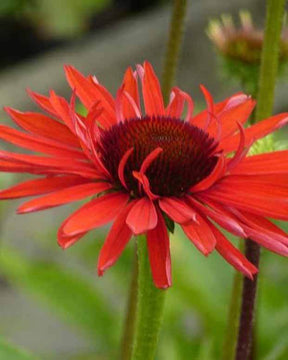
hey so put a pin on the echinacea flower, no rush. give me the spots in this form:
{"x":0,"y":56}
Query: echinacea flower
{"x":243,"y":43}
{"x":146,"y":170}
{"x":240,"y":48}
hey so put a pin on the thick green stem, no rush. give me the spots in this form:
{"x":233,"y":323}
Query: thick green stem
{"x":130,"y":320}
{"x":270,"y":58}
{"x":173,"y":46}
{"x":265,"y":100}
{"x":149,"y":308}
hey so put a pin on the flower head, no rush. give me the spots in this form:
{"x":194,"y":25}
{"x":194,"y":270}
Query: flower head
{"x":146,"y":169}
{"x":240,"y":48}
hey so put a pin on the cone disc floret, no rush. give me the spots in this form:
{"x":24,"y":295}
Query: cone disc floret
{"x":187,"y":156}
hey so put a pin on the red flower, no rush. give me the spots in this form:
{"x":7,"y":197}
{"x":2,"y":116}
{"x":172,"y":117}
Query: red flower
{"x":146,"y":171}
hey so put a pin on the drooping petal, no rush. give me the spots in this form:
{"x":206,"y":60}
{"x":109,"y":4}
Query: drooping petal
{"x":258,"y":197}
{"x":96,"y":213}
{"x":65,"y":241}
{"x":255,"y":132}
{"x":220,"y":216}
{"x":142,"y":217}
{"x":41,"y":186}
{"x":263,"y":226}
{"x":201,"y":235}
{"x":159,"y":254}
{"x":232,"y":255}
{"x":263,"y":239}
{"x":43,"y":126}
{"x":63,"y":196}
{"x":177,"y":209}
{"x":152,"y":95}
{"x":118,"y":237}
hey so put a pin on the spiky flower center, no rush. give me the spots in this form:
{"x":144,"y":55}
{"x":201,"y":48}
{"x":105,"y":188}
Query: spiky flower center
{"x":188,"y":153}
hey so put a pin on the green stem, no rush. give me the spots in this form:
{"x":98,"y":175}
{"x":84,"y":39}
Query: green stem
{"x":149,"y":308}
{"x":230,"y":339}
{"x":270,"y":58}
{"x":173,"y":46}
{"x":265,"y":100}
{"x":129,"y":326}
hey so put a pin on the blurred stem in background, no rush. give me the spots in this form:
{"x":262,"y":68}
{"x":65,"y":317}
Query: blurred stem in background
{"x":265,"y":100}
{"x":173,"y":46}
{"x":152,"y":299}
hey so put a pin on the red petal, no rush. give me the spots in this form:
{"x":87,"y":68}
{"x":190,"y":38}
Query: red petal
{"x":255,"y":132}
{"x":66,"y":241}
{"x":59,"y":165}
{"x":90,"y":92}
{"x":176,"y":104}
{"x":159,"y":254}
{"x":96,"y":213}
{"x":38,"y":144}
{"x":115,"y":242}
{"x":40,"y":186}
{"x":177,"y":209}
{"x":263,"y":225}
{"x":266,"y":240}
{"x":259,"y":198}
{"x":153,"y":99}
{"x":142,"y":216}
{"x":232,"y":255}
{"x":63,"y":196}
{"x":62,"y":108}
{"x":231,"y":117}
{"x":44,"y":126}
{"x":269,"y":163}
{"x":149,"y":159}
{"x":200,"y":120}
{"x":130,"y":87}
{"x":121,"y":167}
{"x":220,"y":216}
{"x":201,"y":235}
{"x":42,"y":101}
{"x":216,"y":173}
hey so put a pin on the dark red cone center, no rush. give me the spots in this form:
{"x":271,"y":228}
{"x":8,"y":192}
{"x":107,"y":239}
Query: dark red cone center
{"x":188,"y":154}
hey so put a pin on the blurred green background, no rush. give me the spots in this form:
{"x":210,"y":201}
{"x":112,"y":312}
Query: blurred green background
{"x":52,"y":304}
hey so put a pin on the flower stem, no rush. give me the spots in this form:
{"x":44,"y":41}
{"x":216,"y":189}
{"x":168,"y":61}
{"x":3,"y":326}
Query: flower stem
{"x":252,"y":252}
{"x":173,"y":46}
{"x":149,"y":308}
{"x":269,"y":58}
{"x":129,"y":326}
{"x":230,"y":339}
{"x":265,"y":100}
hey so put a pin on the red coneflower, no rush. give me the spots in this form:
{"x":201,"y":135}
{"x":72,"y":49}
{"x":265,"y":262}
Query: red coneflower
{"x":149,"y":170}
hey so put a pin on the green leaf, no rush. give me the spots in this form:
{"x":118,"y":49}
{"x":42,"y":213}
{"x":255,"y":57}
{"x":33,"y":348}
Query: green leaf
{"x":70,"y":295}
{"x":10,"y":352}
